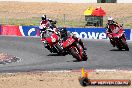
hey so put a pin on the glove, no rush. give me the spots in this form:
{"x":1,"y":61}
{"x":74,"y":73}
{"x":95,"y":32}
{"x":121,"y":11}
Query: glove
{"x":109,"y":35}
{"x":40,"y":27}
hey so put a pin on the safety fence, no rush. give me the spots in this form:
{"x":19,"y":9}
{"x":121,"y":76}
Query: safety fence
{"x":68,"y":20}
{"x":83,"y":33}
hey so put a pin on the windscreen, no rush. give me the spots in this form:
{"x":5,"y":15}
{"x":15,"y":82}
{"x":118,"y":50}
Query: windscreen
{"x":47,"y":34}
{"x":116,"y":30}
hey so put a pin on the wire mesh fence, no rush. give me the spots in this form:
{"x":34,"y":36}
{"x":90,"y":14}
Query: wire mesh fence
{"x":68,"y":20}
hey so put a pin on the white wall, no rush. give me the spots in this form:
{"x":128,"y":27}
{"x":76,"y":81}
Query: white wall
{"x":124,"y":1}
{"x":79,"y":1}
{"x":69,"y":1}
{"x":61,"y":1}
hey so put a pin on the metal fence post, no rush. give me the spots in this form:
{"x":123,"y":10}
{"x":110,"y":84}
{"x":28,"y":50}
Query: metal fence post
{"x":64,"y":18}
{"x":6,"y":19}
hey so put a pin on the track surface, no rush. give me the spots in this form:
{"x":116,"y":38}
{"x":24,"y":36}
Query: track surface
{"x":34,"y":57}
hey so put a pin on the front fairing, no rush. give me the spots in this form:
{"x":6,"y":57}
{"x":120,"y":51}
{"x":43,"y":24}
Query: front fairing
{"x":68,"y":42}
{"x":118,"y":34}
{"x":51,"y":38}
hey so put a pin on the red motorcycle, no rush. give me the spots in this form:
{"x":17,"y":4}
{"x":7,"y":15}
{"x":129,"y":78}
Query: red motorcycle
{"x":71,"y":46}
{"x":51,"y":41}
{"x":119,"y":38}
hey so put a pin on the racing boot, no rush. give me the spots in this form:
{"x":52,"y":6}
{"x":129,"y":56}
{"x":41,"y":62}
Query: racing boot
{"x":112,"y":42}
{"x":81,"y":43}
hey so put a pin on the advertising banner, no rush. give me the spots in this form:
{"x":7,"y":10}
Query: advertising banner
{"x":83,"y":33}
{"x":29,"y":30}
{"x":131,"y":35}
{"x":128,"y":33}
{"x":94,"y":33}
{"x":10,"y":30}
{"x":0,"y":29}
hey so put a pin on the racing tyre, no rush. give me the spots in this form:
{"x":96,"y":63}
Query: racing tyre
{"x":48,"y":48}
{"x":59,"y":49}
{"x":125,"y":45}
{"x":120,"y":48}
{"x":84,"y":56}
{"x":75,"y":54}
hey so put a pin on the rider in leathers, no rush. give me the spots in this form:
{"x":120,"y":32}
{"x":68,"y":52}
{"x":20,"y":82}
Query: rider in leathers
{"x":64,"y":35}
{"x":111,"y":26}
{"x":48,"y":23}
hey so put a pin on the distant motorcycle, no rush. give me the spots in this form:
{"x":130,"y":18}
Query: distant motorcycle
{"x":119,"y":38}
{"x":72,"y":47}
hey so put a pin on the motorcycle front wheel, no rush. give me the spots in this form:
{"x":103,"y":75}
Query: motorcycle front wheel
{"x":60,"y":50}
{"x":84,"y":57}
{"x":75,"y":54}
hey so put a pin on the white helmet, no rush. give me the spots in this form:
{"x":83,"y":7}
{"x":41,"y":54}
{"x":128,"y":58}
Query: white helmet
{"x":110,"y":18}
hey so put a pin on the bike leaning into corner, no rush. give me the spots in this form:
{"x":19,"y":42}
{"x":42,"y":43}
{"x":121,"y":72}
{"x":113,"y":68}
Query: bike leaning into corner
{"x":73,"y":45}
{"x":51,"y":40}
{"x":116,"y":34}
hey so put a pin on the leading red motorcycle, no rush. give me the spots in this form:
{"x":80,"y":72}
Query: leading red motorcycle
{"x":119,"y":38}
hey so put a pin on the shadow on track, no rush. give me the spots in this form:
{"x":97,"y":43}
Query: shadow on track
{"x":116,"y":50}
{"x":74,"y":61}
{"x":55,"y":54}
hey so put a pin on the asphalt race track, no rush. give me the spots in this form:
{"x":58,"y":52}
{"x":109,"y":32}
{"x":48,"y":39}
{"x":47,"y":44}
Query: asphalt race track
{"x":34,"y":57}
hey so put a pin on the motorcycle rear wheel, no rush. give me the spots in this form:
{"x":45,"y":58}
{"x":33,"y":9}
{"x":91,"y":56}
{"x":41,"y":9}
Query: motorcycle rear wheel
{"x":125,"y":45}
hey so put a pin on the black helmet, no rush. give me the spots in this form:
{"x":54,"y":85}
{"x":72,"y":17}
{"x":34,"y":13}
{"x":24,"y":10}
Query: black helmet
{"x":63,"y":31}
{"x":43,"y":17}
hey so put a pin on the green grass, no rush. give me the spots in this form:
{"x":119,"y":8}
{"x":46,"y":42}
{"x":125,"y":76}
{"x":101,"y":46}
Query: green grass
{"x":22,"y":22}
{"x":35,"y":22}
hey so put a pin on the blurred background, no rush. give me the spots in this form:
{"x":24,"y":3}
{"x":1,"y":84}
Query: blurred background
{"x":66,"y":14}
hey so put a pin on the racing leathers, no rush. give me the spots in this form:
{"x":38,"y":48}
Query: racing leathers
{"x":65,"y":34}
{"x":48,"y":25}
{"x":110,"y":30}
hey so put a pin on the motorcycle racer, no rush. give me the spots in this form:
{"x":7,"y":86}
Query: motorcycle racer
{"x":112,"y":26}
{"x":47,"y":24}
{"x":64,"y":35}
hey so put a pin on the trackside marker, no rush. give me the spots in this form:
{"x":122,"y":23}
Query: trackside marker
{"x":84,"y":74}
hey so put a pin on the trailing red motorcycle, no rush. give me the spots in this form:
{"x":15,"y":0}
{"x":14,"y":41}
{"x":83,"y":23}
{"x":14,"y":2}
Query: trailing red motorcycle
{"x":72,"y":47}
{"x":119,"y":39}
